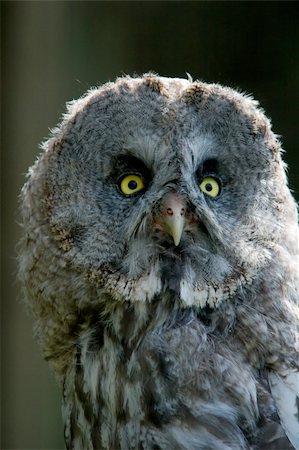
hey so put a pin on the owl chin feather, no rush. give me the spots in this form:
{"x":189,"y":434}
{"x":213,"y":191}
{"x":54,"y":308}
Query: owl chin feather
{"x":191,"y":274}
{"x":180,"y":283}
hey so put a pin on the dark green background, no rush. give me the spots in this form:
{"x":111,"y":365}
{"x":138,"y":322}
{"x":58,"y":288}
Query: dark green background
{"x":52,"y":52}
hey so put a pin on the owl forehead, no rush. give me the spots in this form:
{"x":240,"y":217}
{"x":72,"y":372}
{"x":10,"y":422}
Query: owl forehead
{"x":168,"y":121}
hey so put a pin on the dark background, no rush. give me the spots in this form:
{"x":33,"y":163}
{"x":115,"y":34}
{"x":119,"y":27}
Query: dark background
{"x":52,"y":52}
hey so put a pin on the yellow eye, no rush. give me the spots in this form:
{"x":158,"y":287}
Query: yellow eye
{"x":210,"y":186}
{"x":131,"y":184}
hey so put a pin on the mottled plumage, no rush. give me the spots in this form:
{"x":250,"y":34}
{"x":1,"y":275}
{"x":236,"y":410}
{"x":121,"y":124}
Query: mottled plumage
{"x":160,"y":262}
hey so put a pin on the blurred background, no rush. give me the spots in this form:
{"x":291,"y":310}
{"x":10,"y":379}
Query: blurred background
{"x":53,"y":52}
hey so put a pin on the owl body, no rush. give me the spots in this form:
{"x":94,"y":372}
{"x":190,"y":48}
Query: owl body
{"x":160,"y":261}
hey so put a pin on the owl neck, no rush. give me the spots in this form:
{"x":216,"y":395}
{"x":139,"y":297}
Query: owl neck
{"x":130,"y":323}
{"x":127,"y":321}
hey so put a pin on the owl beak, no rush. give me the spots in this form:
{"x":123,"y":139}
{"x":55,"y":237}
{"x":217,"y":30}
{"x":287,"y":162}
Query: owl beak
{"x":174,"y":226}
{"x":173,"y":221}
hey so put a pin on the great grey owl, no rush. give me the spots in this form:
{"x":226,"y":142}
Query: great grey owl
{"x":160,"y":261}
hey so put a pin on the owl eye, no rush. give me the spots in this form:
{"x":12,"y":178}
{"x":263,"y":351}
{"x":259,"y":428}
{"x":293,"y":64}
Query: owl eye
{"x":210,"y":186}
{"x":131,"y":184}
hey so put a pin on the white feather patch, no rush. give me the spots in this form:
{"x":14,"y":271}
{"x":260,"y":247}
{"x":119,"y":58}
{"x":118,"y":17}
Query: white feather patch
{"x":285,"y":391}
{"x":147,"y":286}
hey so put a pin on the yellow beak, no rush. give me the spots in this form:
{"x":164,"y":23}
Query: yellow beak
{"x":174,"y":217}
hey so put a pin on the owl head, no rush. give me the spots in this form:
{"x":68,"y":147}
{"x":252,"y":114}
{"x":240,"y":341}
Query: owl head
{"x":153,"y":187}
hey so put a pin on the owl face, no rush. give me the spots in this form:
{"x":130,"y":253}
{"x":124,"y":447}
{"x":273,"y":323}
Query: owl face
{"x":159,"y":185}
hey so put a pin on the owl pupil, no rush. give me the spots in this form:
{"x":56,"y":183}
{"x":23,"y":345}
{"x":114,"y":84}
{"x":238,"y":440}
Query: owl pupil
{"x":209,"y":187}
{"x":132,"y":184}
